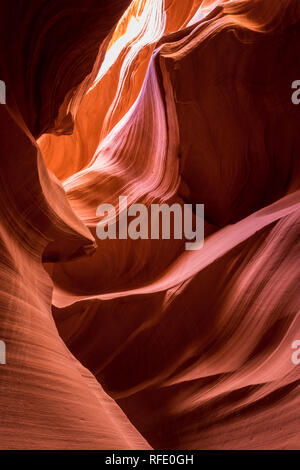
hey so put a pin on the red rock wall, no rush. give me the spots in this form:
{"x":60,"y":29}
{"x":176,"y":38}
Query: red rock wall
{"x":140,"y":344}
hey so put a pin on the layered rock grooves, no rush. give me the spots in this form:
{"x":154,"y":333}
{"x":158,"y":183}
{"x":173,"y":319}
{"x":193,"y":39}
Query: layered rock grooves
{"x":140,"y":344}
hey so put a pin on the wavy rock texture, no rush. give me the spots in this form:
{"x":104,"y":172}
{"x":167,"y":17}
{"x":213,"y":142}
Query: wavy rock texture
{"x":139,"y":344}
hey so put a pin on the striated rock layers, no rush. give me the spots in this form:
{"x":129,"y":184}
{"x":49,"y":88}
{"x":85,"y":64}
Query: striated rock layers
{"x":140,"y":344}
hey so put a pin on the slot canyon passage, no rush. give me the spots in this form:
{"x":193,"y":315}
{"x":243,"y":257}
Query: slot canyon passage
{"x":140,"y":344}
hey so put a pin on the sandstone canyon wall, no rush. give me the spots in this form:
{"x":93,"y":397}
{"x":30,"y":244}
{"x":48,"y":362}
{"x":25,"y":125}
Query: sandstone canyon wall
{"x":141,"y":344}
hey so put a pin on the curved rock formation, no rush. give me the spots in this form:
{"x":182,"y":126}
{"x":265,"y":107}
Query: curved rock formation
{"x":139,"y":344}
